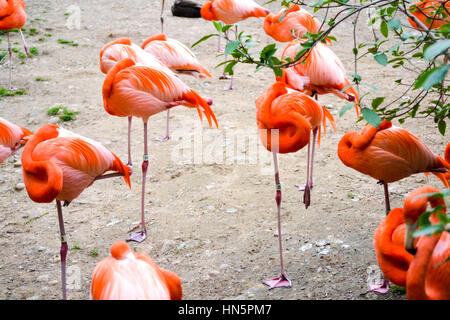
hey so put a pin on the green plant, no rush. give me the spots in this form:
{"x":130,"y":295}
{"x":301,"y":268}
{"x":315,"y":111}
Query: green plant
{"x":64,"y":113}
{"x":93,"y":253}
{"x":68,"y":42}
{"x":391,"y":45}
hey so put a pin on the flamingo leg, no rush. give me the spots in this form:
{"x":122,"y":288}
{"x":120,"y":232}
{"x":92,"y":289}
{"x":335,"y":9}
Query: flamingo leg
{"x":224,"y":76}
{"x":130,"y":162}
{"x":167,"y":137}
{"x":303,"y":187}
{"x":282,"y":280}
{"x":309,"y":184}
{"x":162,"y":17}
{"x":386,"y":197}
{"x":25,"y":44}
{"x":63,"y":250}
{"x":10,"y":62}
{"x":142,"y":235}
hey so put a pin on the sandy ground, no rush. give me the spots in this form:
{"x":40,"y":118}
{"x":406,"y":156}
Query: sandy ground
{"x":212,"y":216}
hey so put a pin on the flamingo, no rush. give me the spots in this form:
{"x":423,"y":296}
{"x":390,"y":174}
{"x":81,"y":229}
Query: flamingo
{"x":426,"y":12}
{"x":447,"y":158}
{"x":321,"y":72}
{"x":176,"y":56}
{"x":231,"y":12}
{"x":13,"y":16}
{"x":122,"y":48}
{"x":290,"y":24}
{"x":126,"y":275}
{"x":388,"y":154}
{"x":136,"y":90}
{"x":285,"y":119}
{"x":58,"y":164}
{"x":389,"y":245}
{"x":428,"y":276}
{"x":12,"y":138}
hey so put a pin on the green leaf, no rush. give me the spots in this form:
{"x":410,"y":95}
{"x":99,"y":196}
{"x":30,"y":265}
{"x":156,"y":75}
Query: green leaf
{"x":442,"y":125}
{"x":394,"y":24}
{"x":436,"y":49}
{"x":381,"y":58}
{"x":346,"y":108}
{"x":268,"y":52}
{"x":376,"y":102}
{"x":371,"y":117}
{"x":218,"y":25}
{"x":384,"y":29}
{"x":431,"y":77}
{"x":429,"y":230}
{"x":231,"y":46}
{"x":203,"y":39}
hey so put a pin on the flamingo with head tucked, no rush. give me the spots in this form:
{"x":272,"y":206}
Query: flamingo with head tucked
{"x":388,"y":154}
{"x":428,"y":276}
{"x":231,"y":12}
{"x":127,"y":275}
{"x":12,"y":138}
{"x":285,"y":119}
{"x":58,"y":165}
{"x":13,"y":16}
{"x":136,"y":90}
{"x":177,"y":57}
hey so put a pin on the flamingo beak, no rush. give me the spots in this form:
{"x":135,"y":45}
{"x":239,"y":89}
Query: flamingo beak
{"x":409,"y":239}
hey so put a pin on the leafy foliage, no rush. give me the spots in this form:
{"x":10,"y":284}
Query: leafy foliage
{"x":419,"y":50}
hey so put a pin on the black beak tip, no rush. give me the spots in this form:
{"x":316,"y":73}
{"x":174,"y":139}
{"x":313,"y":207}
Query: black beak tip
{"x":412,"y":251}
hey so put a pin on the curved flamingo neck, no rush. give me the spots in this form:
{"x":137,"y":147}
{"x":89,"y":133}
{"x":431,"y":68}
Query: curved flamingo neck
{"x":43,"y":179}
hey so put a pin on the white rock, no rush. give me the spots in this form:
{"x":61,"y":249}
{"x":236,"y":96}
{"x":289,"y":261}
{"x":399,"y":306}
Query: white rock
{"x":232,"y":210}
{"x":306,"y":247}
{"x":20,"y":186}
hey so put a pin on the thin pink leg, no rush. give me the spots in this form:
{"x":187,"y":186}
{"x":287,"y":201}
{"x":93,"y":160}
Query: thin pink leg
{"x":162,"y":16}
{"x":130,"y":162}
{"x":303,"y":187}
{"x":309,"y":184}
{"x":25,"y":44}
{"x":10,"y":62}
{"x":63,"y":250}
{"x":167,"y":137}
{"x":282,"y":280}
{"x":142,"y":235}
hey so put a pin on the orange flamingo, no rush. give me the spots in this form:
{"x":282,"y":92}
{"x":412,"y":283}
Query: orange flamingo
{"x":12,"y":138}
{"x":428,"y":276}
{"x":133,"y":276}
{"x":447,"y":158}
{"x":231,"y":12}
{"x":427,"y":13}
{"x":123,"y":48}
{"x":176,"y":56}
{"x":392,"y":257}
{"x":320,"y":72}
{"x":58,"y":165}
{"x":388,"y":154}
{"x":290,"y":24}
{"x":13,"y":16}
{"x":285,"y":119}
{"x":141,"y":91}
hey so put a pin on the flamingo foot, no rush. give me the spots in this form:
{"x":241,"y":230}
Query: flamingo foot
{"x":230,"y":88}
{"x":139,"y":236}
{"x":166,"y":138}
{"x":281,"y":282}
{"x":381,"y":288}
{"x":302,"y":187}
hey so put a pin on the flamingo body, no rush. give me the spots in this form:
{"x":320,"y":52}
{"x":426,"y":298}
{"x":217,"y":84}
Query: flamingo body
{"x":232,"y":11}
{"x":175,"y":55}
{"x":425,"y":11}
{"x":126,"y":275}
{"x":290,"y":23}
{"x":11,"y":138}
{"x":387,"y":154}
{"x":12,"y":14}
{"x":322,"y":72}
{"x":59,"y":164}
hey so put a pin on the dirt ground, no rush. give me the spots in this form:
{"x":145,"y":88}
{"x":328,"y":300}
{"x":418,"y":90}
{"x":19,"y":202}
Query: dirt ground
{"x":212,"y":221}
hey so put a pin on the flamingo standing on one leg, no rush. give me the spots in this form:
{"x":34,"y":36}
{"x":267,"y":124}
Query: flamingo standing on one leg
{"x":388,"y":154}
{"x":177,"y":57}
{"x":285,"y":119}
{"x":58,"y":165}
{"x":428,"y":276}
{"x":13,"y":16}
{"x":142,"y":91}
{"x":12,"y":138}
{"x":231,"y":12}
{"x":123,"y":48}
{"x":127,"y":275}
{"x":290,"y":24}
